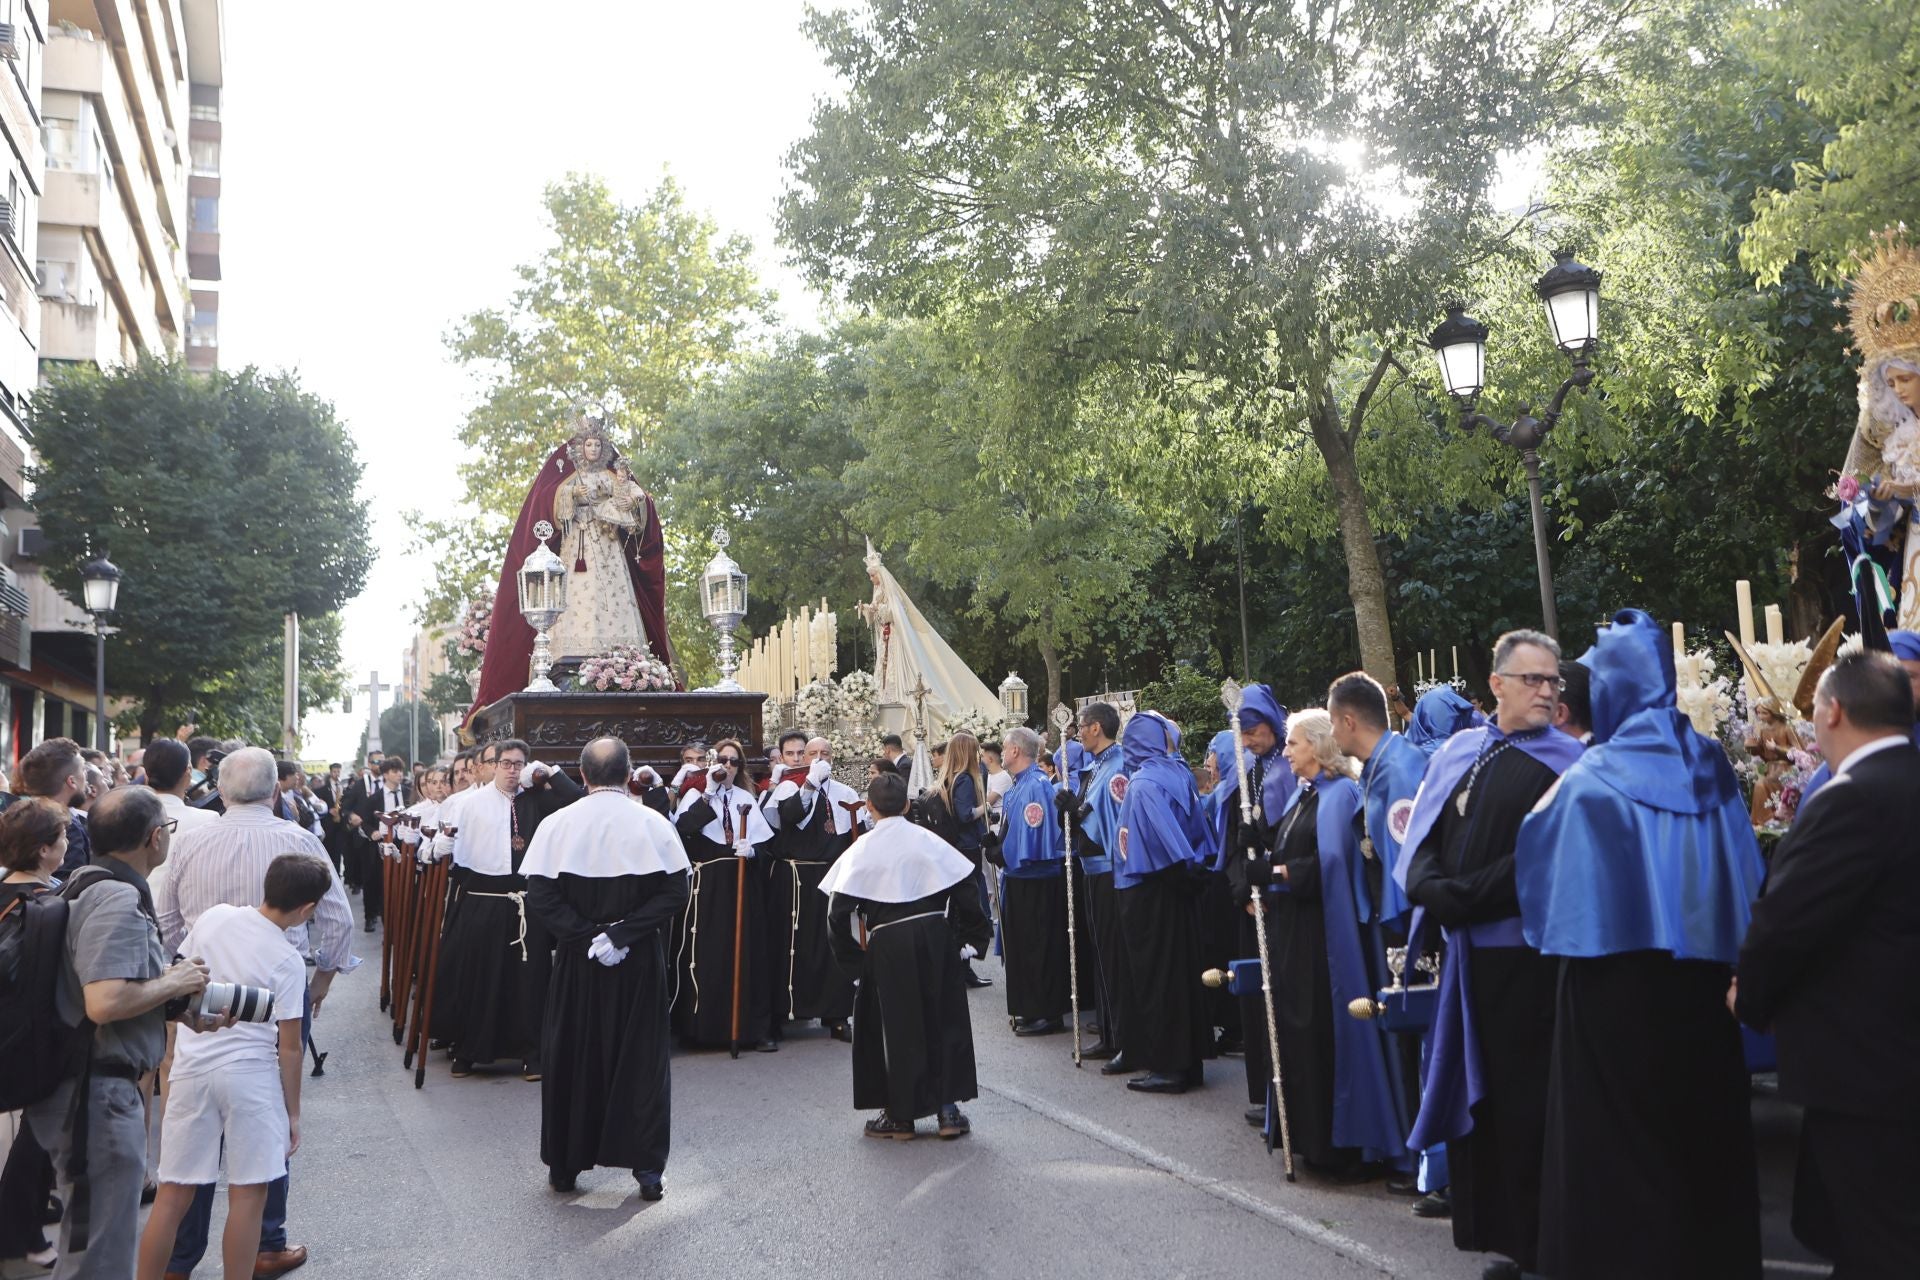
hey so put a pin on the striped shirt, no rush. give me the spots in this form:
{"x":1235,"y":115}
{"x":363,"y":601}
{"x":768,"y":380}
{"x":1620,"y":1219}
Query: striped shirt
{"x":227,"y":861}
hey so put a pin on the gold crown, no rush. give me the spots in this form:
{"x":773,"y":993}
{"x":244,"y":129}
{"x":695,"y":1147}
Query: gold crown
{"x":1884,"y":302}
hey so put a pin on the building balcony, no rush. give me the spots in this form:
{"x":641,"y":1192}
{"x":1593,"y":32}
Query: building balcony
{"x":75,"y":62}
{"x":77,"y":332}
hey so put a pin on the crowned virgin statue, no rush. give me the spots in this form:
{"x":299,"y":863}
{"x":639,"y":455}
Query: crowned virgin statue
{"x":910,"y":654}
{"x":607,"y":531}
{"x":1881,"y":480}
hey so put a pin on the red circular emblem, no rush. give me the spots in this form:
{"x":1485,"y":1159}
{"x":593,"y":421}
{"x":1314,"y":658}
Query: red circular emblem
{"x":1117,"y":788}
{"x":1035,"y":813}
{"x":1399,"y":818}
{"x":1123,"y":844}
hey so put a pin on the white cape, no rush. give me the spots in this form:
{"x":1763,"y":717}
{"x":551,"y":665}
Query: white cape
{"x":896,"y":862}
{"x":953,"y":688}
{"x":604,"y":834}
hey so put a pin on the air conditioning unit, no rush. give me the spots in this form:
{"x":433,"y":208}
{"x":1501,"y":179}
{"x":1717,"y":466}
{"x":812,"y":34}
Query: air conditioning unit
{"x":9,"y":42}
{"x":6,"y":217}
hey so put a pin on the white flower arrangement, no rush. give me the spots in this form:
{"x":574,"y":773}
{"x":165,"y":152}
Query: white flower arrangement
{"x":859,"y":695}
{"x":984,"y":727}
{"x":626,"y":668}
{"x":1703,"y":697}
{"x":815,"y":707}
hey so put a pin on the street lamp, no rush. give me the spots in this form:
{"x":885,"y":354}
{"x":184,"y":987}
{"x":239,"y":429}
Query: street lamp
{"x":1571,"y":294}
{"x":1013,"y":699}
{"x":100,"y":586}
{"x":723,"y":602}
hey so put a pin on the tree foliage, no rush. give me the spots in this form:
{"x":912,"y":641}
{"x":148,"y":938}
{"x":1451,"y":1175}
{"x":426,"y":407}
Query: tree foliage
{"x":228,"y":500}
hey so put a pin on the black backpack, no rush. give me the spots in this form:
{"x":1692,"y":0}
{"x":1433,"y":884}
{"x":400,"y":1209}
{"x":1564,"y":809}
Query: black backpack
{"x":40,"y":1049}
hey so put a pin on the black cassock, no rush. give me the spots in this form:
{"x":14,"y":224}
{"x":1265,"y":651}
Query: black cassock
{"x":1033,"y":927}
{"x":1302,"y":991}
{"x":1167,"y":1028}
{"x":1650,"y":1082}
{"x":606,"y":1046}
{"x":495,"y":958}
{"x":912,"y":1036}
{"x":703,"y":1003}
{"x":1463,"y":875}
{"x":807,"y":983}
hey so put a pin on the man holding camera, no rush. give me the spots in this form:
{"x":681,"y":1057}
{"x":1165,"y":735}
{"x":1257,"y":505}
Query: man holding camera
{"x":116,"y":976}
{"x":226,"y":862}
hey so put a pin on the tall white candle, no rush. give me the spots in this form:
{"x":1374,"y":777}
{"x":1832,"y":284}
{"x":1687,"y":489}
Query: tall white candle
{"x":1743,"y":596}
{"x":1776,"y":628}
{"x":1679,"y":641}
{"x":1456,"y":662}
{"x":1419,"y":672}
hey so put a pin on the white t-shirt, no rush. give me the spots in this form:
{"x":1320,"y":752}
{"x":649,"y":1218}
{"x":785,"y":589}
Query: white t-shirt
{"x":240,"y":945}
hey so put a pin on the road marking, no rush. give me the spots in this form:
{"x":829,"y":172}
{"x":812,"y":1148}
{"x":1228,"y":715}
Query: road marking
{"x":1300,"y":1225}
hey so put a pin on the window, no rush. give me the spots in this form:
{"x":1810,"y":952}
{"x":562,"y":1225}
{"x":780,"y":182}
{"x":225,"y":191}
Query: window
{"x":204,"y":329}
{"x":16,"y":216}
{"x":206,"y":156}
{"x":64,"y":142}
{"x":206,"y":213}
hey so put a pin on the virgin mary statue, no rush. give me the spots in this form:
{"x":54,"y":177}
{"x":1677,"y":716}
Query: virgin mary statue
{"x":908,"y":652}
{"x":607,"y":532}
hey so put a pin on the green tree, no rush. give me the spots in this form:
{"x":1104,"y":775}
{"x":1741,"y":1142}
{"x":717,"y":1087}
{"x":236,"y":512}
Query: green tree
{"x":227,"y":499}
{"x":395,"y":732}
{"x":1249,"y":208}
{"x":245,"y":702}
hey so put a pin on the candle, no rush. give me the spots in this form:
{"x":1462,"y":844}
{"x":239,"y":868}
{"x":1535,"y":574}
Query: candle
{"x":1679,"y":641}
{"x":1776,"y":629}
{"x":1433,"y":665}
{"x":1419,"y":672}
{"x":1456,"y":662}
{"x":1743,"y":595}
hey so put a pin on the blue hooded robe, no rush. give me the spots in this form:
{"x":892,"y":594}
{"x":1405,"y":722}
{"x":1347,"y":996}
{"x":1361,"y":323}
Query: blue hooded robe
{"x":1258,"y":706}
{"x":1031,"y":847}
{"x":1160,"y":824}
{"x":1438,"y":715}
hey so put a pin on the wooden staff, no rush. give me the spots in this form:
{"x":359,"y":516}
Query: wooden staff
{"x":739,"y":928}
{"x":386,"y":898}
{"x":1232,"y":695}
{"x":436,"y":910}
{"x":402,"y":912}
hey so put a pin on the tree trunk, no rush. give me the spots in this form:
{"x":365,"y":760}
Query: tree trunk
{"x":1366,"y":579}
{"x":1049,"y":654}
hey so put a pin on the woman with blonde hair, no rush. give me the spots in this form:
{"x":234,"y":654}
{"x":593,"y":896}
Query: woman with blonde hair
{"x":962,"y":789}
{"x":1342,"y":1108}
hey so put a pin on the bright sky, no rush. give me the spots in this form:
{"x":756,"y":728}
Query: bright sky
{"x":380,"y":181}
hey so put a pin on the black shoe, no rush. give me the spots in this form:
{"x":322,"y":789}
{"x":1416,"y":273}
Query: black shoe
{"x":1257,"y":1117}
{"x":1100,"y":1049}
{"x":461,"y":1068}
{"x":1504,"y":1269}
{"x":1158,"y":1082}
{"x":975,"y":980}
{"x":1040,"y":1027}
{"x":1403,"y":1185}
{"x":530,"y":1070}
{"x":1119,"y":1065}
{"x":840,"y":1031}
{"x":650,"y":1186}
{"x":1435,"y":1204}
{"x":883,"y":1126}
{"x":1229,"y":1046}
{"x":561,"y":1179}
{"x":371,"y":921}
{"x":767,"y":1046}
{"x":952,"y":1123}
{"x":148,"y":1192}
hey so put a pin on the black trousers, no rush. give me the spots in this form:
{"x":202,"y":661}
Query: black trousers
{"x":25,"y":1187}
{"x":1852,"y":1198}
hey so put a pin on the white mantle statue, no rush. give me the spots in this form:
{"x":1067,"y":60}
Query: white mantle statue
{"x":908,"y":651}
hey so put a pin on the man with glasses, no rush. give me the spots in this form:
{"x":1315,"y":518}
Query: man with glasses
{"x":226,"y":861}
{"x":490,"y":991}
{"x":1485,"y":1092}
{"x":726,"y":977}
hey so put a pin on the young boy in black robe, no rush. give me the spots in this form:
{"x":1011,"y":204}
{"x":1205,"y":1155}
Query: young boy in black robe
{"x":904,"y":917}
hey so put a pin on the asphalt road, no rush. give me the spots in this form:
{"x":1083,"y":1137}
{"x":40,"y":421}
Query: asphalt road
{"x":1065,"y":1174}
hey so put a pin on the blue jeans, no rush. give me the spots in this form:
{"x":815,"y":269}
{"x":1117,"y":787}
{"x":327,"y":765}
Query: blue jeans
{"x":190,"y":1241}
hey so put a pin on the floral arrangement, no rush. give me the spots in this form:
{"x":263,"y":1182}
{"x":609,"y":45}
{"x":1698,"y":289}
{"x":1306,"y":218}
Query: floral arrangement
{"x":815,"y":706}
{"x":1704,"y":697}
{"x":1802,"y":764}
{"x":859,"y":695}
{"x":626,"y":668}
{"x":984,"y":728}
{"x":476,"y":622}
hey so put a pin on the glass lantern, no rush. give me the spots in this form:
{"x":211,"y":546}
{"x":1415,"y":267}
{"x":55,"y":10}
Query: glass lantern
{"x":100,"y":582}
{"x":1460,"y":347}
{"x":1013,"y":699}
{"x":1571,"y":293}
{"x":542,"y":580}
{"x":723,"y":602}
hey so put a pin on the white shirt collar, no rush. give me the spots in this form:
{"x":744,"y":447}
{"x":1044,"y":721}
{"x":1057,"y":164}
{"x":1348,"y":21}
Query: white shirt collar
{"x":1887,"y":743}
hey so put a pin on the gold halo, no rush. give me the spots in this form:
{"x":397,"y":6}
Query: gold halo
{"x":1884,"y":302}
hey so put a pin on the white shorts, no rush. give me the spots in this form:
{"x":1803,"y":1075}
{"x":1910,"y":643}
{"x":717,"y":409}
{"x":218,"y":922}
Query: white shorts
{"x":246,"y":1107}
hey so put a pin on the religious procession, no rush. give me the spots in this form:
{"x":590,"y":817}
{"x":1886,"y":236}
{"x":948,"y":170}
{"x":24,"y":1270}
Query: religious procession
{"x":1193,"y":638}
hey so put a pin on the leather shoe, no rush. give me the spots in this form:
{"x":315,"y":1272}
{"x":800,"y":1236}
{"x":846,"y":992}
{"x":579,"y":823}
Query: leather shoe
{"x":1040,"y":1027}
{"x":1158,"y":1082}
{"x":975,"y":980}
{"x":530,"y":1071}
{"x":651,"y":1187}
{"x":1435,"y":1204}
{"x":1404,"y":1186}
{"x":1257,"y":1117}
{"x":278,"y":1263}
{"x":767,"y":1046}
{"x":1503,"y":1269}
{"x":562,"y":1179}
{"x":461,"y":1069}
{"x":1101,"y":1050}
{"x":1119,"y":1065}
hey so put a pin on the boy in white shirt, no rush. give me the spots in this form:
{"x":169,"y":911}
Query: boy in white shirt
{"x":238,"y":1086}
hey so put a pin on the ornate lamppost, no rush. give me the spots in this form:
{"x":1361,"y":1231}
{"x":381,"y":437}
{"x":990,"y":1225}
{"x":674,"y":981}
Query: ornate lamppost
{"x":543,"y":598}
{"x":723,"y":602}
{"x":1013,"y":699}
{"x":1571,"y":294}
{"x":100,"y":584}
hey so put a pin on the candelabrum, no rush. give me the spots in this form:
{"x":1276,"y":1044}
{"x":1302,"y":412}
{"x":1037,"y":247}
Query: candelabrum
{"x":723,"y":600}
{"x":543,"y":598}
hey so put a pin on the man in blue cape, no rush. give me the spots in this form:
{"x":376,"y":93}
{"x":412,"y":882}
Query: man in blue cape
{"x":1439,"y":714}
{"x":1906,"y":647}
{"x":1390,"y":772}
{"x":1158,"y":873}
{"x":1097,"y":784}
{"x":1639,"y":870}
{"x":1033,"y":906}
{"x":1486,"y":1083}
{"x":1270,"y":783}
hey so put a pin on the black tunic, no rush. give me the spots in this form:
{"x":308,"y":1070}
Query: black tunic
{"x":1463,"y":875}
{"x":1166,"y":1027}
{"x":1033,"y":928}
{"x":912,"y":1036}
{"x":1648,"y":1124}
{"x":704,"y":939}
{"x":605,"y":1048}
{"x":807,"y":983}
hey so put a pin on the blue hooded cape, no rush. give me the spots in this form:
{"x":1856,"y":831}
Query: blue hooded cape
{"x":1258,"y":706}
{"x":1160,"y":824}
{"x":1905,"y":646}
{"x":1454,"y":1078}
{"x":1438,"y":715}
{"x":1646,"y":843}
{"x":1366,"y":1110}
{"x":1103,"y":798}
{"x":1388,"y":783}
{"x":1032,"y":846}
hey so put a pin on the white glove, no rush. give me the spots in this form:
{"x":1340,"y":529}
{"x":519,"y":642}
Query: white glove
{"x":681,"y":776}
{"x":818,"y":772}
{"x":646,"y":777}
{"x":409,"y":835}
{"x":743,"y":851}
{"x":532,"y":773}
{"x":968,"y":953}
{"x":603,"y":950}
{"x":442,"y":846}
